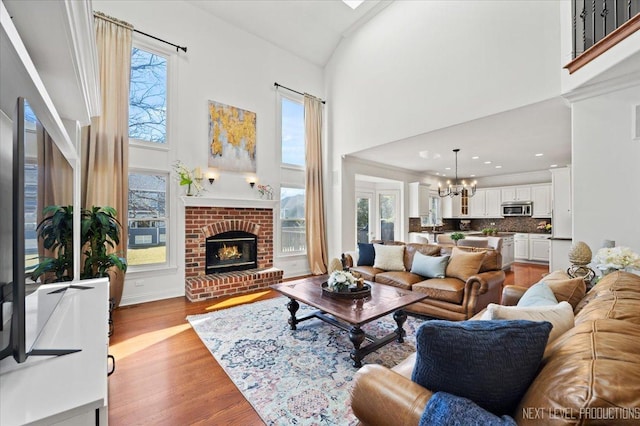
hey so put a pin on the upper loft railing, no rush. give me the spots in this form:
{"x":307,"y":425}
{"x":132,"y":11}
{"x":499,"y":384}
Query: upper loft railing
{"x":599,"y":25}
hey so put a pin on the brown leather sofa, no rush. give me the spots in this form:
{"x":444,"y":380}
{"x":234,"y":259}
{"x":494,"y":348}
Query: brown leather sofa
{"x":589,"y":375}
{"x":449,"y":298}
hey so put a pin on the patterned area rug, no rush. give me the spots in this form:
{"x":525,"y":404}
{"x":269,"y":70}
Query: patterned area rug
{"x":300,"y":377}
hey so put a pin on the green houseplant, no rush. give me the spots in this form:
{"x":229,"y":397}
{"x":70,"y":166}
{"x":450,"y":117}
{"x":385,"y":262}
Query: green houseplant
{"x":99,"y":231}
{"x":457,"y":236}
{"x":56,"y":232}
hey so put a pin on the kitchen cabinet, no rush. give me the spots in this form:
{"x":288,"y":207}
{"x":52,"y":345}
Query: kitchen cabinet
{"x":516,"y":193}
{"x":561,"y":202}
{"x":492,"y":203}
{"x":521,"y":246}
{"x":418,"y":199}
{"x":477,"y":204}
{"x":541,"y":197}
{"x":507,"y":252}
{"x":539,"y":247}
{"x":452,"y":207}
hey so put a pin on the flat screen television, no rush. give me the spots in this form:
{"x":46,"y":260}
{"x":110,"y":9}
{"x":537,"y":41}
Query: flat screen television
{"x":22,"y":185}
{"x":12,"y":245}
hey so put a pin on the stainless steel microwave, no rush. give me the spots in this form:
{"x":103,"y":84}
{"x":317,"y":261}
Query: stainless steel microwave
{"x":517,"y":208}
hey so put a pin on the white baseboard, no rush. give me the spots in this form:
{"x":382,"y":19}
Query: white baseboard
{"x":150,"y":297}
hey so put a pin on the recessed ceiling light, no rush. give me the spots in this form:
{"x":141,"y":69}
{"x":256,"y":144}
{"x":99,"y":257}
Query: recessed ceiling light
{"x":487,"y":162}
{"x":498,"y":167}
{"x":539,"y":154}
{"x":475,"y":157}
{"x":353,"y":3}
{"x":447,"y":168}
{"x":437,"y":174}
{"x":444,"y":175}
{"x":472,"y":175}
{"x":553,"y":165}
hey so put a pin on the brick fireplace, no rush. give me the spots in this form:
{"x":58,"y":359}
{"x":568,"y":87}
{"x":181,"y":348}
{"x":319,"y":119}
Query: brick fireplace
{"x":205,"y":221}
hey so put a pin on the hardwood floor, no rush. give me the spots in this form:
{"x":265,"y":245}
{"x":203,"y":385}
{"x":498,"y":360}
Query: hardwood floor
{"x":165,"y":376}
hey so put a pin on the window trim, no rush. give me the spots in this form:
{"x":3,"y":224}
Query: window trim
{"x":279,"y":253}
{"x":169,"y":55}
{"x":169,"y":249}
{"x":397,"y":228}
{"x":294,"y":98}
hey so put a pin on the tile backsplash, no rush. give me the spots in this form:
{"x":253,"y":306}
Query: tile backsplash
{"x":507,"y":224}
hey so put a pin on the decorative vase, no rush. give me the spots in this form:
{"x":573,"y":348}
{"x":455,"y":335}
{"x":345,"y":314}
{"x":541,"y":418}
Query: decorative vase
{"x":189,"y":193}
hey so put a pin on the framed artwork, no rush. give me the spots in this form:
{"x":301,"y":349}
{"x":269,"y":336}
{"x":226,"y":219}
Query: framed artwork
{"x":232,"y":138}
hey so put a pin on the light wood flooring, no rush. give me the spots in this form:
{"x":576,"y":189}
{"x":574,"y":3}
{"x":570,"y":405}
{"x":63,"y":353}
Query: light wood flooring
{"x":165,"y":376}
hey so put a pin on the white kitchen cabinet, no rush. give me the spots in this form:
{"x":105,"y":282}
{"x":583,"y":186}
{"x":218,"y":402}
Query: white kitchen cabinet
{"x":507,"y":252}
{"x":492,"y":203}
{"x":561,"y":202}
{"x":452,"y":208}
{"x":541,"y":197}
{"x":516,"y":193}
{"x":418,"y":199}
{"x":521,"y":246}
{"x":477,"y":204}
{"x":539,"y":246}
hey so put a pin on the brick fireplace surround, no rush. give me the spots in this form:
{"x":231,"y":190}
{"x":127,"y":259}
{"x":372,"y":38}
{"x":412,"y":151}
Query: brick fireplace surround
{"x":206,"y":221}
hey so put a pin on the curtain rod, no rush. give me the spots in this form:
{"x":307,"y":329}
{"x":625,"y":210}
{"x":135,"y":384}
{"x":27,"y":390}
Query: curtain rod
{"x":294,"y":91}
{"x":184,"y":49}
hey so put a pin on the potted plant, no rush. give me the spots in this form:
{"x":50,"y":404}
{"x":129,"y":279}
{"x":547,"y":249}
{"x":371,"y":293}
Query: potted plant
{"x":457,"y":236}
{"x":56,"y":232}
{"x":99,"y":231}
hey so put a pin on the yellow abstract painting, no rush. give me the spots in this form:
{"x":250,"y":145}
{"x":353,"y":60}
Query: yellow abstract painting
{"x":232,"y":138}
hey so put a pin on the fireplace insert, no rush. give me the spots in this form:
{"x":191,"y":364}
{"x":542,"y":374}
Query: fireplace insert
{"x":231,"y":251}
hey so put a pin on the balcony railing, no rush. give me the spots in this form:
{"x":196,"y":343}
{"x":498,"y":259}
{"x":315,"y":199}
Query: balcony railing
{"x":598,"y":25}
{"x":293,"y":240}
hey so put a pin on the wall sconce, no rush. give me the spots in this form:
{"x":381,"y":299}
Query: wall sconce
{"x":252,"y":182}
{"x":211,"y":177}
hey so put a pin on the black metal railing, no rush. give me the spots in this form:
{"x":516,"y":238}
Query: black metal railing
{"x":595,"y":19}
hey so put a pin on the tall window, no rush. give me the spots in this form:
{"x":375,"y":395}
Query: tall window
{"x":435,"y":215}
{"x":293,"y":148}
{"x":148,"y":97}
{"x":147,"y":219}
{"x":148,"y":209}
{"x":363,"y":218}
{"x":388,"y":208}
{"x":293,"y":238}
{"x":292,"y":232}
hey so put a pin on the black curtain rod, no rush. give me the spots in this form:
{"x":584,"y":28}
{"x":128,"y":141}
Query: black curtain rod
{"x":184,"y":49}
{"x":294,"y":91}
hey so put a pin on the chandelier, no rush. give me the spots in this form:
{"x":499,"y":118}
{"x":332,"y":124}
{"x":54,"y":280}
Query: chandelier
{"x":455,"y":189}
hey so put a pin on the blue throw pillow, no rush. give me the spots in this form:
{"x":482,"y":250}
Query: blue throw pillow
{"x":444,"y":409}
{"x":366,"y":254}
{"x":429,"y":266}
{"x":538,"y":295}
{"x":490,"y":362}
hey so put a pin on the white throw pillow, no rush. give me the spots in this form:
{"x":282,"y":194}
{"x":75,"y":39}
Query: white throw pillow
{"x":560,"y":315}
{"x":389,"y":258}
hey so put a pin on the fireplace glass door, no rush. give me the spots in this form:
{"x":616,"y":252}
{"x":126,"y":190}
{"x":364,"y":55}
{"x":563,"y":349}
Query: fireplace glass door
{"x":231,"y":251}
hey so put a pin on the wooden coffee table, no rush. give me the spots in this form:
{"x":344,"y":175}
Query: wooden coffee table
{"x":348,"y":314}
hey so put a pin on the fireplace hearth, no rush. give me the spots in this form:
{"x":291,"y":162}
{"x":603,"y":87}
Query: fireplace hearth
{"x":230,"y":251}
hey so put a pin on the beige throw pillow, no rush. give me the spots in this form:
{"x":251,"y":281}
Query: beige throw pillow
{"x":389,"y":258}
{"x":566,"y":288}
{"x":463,"y":265}
{"x":560,"y":315}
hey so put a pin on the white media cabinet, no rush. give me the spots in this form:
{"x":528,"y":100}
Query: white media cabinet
{"x":69,"y":389}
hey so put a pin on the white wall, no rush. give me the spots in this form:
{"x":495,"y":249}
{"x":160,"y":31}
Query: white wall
{"x":605,"y":171}
{"x":224,"y":64}
{"x":541,"y":176}
{"x":419,"y":66}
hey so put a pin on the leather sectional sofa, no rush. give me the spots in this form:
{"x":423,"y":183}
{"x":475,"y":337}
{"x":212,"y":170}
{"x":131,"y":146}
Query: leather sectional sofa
{"x":449,"y":298}
{"x":588,"y":375}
